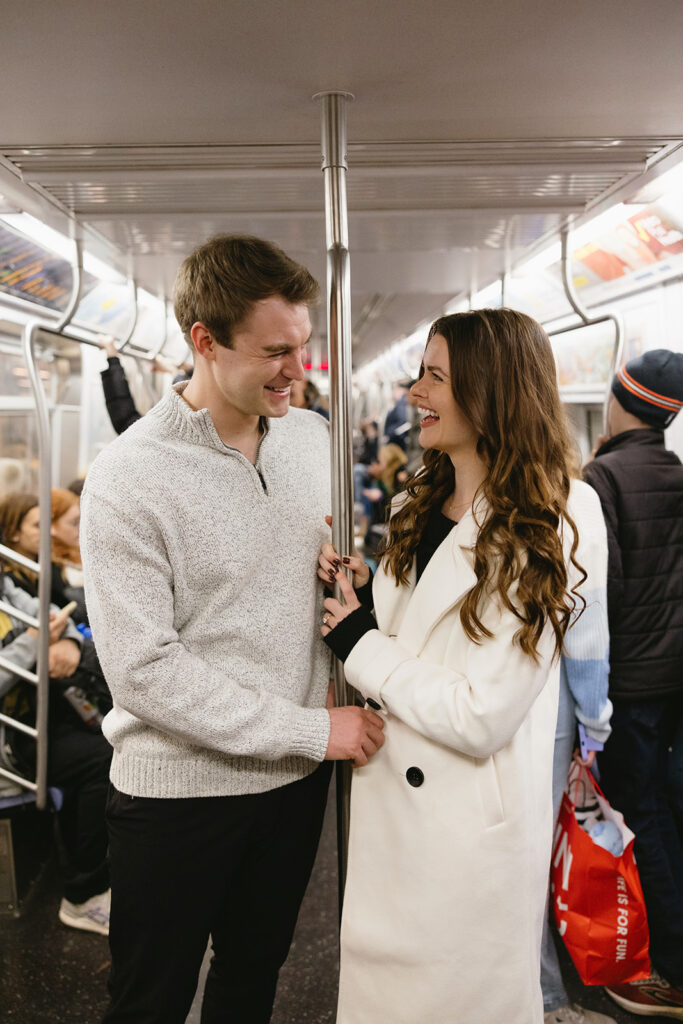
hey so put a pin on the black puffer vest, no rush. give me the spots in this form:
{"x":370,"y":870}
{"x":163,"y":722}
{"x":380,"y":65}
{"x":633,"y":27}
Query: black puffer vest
{"x":640,"y":485}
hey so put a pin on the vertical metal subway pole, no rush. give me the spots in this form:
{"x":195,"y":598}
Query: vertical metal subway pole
{"x":31,"y":330}
{"x":334,"y":169}
{"x":30,"y":333}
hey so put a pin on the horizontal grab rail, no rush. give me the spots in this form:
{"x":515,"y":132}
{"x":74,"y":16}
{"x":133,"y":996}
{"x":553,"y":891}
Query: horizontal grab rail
{"x":17,"y":670}
{"x":13,"y":556}
{"x":142,"y":354}
{"x":25,"y":783}
{"x":29,"y":730}
{"x":583,"y":324}
{"x":16,"y":613}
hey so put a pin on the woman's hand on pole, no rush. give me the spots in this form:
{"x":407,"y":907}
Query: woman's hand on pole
{"x":335,"y":610}
{"x":329,"y":564}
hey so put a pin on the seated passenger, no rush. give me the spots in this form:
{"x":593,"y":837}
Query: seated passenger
{"x":66,"y":553}
{"x":383,"y":483}
{"x":78,"y":754}
{"x":19,"y":523}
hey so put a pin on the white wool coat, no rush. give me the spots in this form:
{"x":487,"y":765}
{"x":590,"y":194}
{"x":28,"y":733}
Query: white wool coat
{"x":451,"y":821}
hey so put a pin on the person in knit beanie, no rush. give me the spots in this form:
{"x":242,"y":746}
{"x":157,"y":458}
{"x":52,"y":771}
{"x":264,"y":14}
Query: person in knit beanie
{"x":650,"y":387}
{"x":640,"y":485}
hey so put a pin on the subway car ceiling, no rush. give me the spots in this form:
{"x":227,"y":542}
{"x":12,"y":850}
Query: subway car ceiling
{"x":477,"y":130}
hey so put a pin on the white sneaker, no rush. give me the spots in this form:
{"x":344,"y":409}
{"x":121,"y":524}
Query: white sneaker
{"x":91,"y":916}
{"x":576,"y":1015}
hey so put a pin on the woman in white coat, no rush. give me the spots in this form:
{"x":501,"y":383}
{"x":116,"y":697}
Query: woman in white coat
{"x":451,"y":820}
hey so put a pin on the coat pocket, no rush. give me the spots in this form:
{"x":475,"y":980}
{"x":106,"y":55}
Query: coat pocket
{"x":488,"y":786}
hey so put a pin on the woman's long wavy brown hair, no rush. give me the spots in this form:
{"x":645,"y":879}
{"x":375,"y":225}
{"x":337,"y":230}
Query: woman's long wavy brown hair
{"x":504,"y":380}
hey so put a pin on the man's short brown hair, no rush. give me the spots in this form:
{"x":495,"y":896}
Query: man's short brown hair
{"x":221,"y":280}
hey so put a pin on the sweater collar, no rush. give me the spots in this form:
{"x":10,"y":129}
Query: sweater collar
{"x":639,"y":436}
{"x":196,"y":425}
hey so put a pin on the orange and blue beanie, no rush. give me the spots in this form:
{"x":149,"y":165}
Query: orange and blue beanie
{"x":651,"y":386}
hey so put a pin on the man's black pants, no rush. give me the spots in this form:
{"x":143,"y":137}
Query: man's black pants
{"x":234,"y":868}
{"x":638,"y":769}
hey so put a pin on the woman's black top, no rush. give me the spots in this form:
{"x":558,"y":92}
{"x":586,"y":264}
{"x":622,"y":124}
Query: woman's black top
{"x":344,"y":637}
{"x":435,"y":532}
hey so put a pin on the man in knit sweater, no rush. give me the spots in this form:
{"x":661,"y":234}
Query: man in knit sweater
{"x":200,"y":536}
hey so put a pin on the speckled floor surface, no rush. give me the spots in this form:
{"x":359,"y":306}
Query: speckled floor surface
{"x":50,"y":974}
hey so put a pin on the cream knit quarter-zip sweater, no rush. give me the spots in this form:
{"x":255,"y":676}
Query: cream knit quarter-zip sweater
{"x":200,"y":581}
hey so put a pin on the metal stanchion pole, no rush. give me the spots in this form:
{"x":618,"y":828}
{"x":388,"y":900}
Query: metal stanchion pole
{"x":30,"y":333}
{"x":334,"y":168}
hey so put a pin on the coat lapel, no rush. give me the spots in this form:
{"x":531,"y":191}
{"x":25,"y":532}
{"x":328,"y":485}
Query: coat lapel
{"x":412,"y":612}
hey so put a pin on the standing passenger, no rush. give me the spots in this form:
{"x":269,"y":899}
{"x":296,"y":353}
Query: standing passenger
{"x":451,"y":823}
{"x":584,"y":675}
{"x":640,"y":485}
{"x":201,"y":529}
{"x":397,"y":422}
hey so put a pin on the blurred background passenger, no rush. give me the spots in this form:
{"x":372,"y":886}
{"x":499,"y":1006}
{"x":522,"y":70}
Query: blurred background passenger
{"x":370,"y":442}
{"x":12,"y":475}
{"x":78,"y":754}
{"x":365,"y":453}
{"x":397,"y":422}
{"x":117,"y":394}
{"x":306,"y":395}
{"x":413,"y":449}
{"x":640,"y":486}
{"x":383,"y":483}
{"x":297,"y":396}
{"x":20,"y":523}
{"x":76,"y":486}
{"x":322,"y":405}
{"x":584,"y":681}
{"x":120,"y":403}
{"x":66,"y":551}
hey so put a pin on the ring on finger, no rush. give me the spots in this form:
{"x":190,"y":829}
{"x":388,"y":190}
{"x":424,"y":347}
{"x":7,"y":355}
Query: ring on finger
{"x":325,"y":618}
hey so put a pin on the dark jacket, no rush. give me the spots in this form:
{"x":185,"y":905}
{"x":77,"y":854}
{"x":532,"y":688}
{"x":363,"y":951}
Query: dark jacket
{"x":640,"y":485}
{"x":397,"y":424}
{"x":60,"y":591}
{"x":120,"y":404}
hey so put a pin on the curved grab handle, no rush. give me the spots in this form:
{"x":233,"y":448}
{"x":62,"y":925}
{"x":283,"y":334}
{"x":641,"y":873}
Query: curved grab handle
{"x":586,"y":319}
{"x":125,"y":341}
{"x":76,"y":289}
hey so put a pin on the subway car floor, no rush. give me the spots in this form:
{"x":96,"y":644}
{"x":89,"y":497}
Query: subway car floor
{"x":50,"y":974}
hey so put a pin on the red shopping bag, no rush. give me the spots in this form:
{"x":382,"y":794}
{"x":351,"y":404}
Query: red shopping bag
{"x":597,"y":896}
